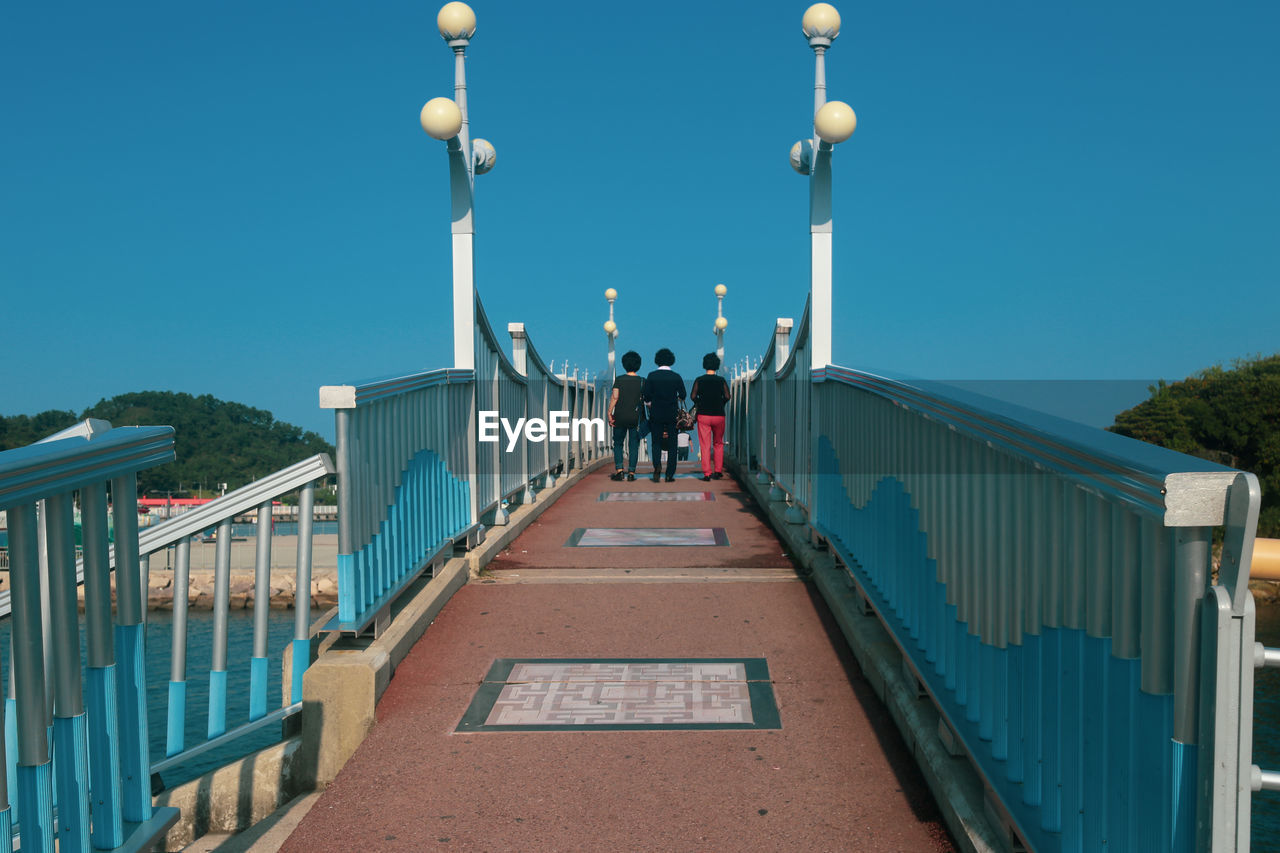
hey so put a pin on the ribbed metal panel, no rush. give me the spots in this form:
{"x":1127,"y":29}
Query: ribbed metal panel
{"x":1025,"y":567}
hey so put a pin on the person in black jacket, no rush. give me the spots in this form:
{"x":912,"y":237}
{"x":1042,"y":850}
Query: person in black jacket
{"x":710,"y":393}
{"x":663,"y":391}
{"x":625,"y":414}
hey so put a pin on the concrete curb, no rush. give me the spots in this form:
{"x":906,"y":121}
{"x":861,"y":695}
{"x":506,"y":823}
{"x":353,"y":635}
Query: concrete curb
{"x":234,"y":797}
{"x":956,"y":786}
{"x":340,"y":691}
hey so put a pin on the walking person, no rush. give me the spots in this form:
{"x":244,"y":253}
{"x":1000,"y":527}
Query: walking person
{"x":710,"y":393}
{"x":625,"y":414}
{"x":663,"y":391}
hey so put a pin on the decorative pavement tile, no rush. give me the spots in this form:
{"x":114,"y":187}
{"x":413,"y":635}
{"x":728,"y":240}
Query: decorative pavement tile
{"x":628,"y":497}
{"x":623,"y":695}
{"x":619,"y":537}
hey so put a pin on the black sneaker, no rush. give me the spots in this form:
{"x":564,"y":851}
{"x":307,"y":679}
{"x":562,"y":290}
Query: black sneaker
{"x":631,"y":475}
{"x":657,"y":478}
{"x":617,"y":475}
{"x":706,"y":479}
{"x":671,"y":479}
{"x":717,"y":475}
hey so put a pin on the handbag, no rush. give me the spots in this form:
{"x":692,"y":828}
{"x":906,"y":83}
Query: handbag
{"x":686,"y":420}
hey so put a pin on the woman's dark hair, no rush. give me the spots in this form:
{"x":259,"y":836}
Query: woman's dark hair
{"x":711,"y":361}
{"x":631,"y":361}
{"x":664,"y":357}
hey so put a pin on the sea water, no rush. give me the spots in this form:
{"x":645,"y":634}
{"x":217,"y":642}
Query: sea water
{"x":199,"y":659}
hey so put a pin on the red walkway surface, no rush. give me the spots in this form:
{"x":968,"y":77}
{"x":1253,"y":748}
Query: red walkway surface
{"x":836,"y":776}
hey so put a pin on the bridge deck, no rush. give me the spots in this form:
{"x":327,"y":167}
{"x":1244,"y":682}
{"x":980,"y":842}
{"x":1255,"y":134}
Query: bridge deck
{"x":474,"y":749}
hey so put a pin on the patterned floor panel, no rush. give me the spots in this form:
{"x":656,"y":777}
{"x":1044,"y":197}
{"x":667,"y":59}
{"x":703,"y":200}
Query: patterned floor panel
{"x":628,"y":497}
{"x":623,"y":695}
{"x":645,"y":537}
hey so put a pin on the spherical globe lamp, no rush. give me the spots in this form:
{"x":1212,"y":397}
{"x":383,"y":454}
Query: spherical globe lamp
{"x":721,"y":324}
{"x":835,"y":122}
{"x":611,"y":294}
{"x":800,"y":156}
{"x":821,"y":20}
{"x":457,"y":21}
{"x":485,"y":155}
{"x":721,"y":290}
{"x":441,"y":118}
{"x":610,"y":327}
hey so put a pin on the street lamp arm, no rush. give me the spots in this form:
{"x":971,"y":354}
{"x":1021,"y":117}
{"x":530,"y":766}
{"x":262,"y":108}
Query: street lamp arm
{"x":820,"y":189}
{"x":461,"y":192}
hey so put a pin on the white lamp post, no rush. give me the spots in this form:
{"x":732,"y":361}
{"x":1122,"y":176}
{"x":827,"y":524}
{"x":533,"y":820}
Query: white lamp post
{"x":611,"y":330}
{"x":721,"y":322}
{"x":833,"y":122}
{"x":447,"y":120}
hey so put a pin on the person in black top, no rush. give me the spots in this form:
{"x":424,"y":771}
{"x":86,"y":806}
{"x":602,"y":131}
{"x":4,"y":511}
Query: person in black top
{"x":710,"y":393}
{"x":625,"y":414}
{"x":663,"y":391}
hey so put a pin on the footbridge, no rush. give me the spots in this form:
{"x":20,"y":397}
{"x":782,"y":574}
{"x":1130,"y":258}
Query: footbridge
{"x":909,"y":617}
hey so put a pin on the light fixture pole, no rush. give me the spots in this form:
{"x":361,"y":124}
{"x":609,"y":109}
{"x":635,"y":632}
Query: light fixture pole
{"x":446,"y":120}
{"x":611,"y":331}
{"x":833,"y":122}
{"x":721,"y":322}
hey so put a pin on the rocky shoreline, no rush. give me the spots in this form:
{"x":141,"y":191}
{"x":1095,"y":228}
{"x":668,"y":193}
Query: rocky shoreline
{"x":283,"y":596}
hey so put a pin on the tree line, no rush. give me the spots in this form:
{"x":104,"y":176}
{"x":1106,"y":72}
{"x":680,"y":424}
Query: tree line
{"x":216,"y":441}
{"x":1226,"y":415}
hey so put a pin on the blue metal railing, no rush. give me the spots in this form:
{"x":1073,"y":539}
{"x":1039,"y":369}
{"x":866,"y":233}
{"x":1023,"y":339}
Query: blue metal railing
{"x":1045,"y":581}
{"x":403,"y":492}
{"x":414,"y":478}
{"x":102,"y":782}
{"x":176,"y":533}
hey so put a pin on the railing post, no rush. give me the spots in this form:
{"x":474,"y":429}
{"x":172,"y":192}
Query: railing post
{"x":493,"y":399}
{"x":70,"y":726}
{"x":35,"y":778}
{"x":135,"y":761}
{"x":101,"y":678}
{"x":221,"y":608}
{"x":302,"y":592}
{"x":261,"y":609}
{"x":520,"y":360}
{"x":178,"y":657}
{"x":346,"y":533}
{"x":781,"y":343}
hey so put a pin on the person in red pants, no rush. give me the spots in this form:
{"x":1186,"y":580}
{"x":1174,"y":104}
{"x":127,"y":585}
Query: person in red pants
{"x":710,"y":393}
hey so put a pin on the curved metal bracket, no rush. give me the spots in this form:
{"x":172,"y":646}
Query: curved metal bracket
{"x":1244,"y":498}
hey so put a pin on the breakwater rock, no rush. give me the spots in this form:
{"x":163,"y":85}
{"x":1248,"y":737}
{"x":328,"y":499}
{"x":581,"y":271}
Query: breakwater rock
{"x":283,"y":590}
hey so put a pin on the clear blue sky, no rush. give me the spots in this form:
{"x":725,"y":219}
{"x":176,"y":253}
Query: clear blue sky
{"x":237,"y":199}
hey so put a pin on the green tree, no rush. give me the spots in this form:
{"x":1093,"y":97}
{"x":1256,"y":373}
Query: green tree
{"x":1227,"y":415}
{"x":215,"y":441}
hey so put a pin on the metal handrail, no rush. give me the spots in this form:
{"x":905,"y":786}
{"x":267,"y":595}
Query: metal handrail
{"x":1185,"y":490}
{"x":206,"y":516}
{"x":30,"y":473}
{"x":100,"y":739}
